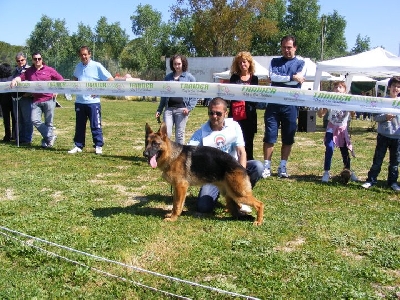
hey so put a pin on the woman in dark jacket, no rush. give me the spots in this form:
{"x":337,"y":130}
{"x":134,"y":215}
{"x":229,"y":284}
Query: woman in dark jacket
{"x":242,"y":70}
{"x":7,"y":105}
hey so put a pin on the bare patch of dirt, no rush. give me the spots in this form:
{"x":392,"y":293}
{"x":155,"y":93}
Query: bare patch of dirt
{"x":291,"y":245}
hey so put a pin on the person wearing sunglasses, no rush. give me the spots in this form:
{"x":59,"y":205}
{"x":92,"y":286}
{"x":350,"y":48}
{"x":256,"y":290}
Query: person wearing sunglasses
{"x":22,"y":105}
{"x":225,"y":134}
{"x":43,"y":103}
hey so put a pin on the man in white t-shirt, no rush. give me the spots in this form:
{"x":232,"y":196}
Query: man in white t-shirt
{"x":225,"y":134}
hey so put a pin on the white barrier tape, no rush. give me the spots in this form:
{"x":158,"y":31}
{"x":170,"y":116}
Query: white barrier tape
{"x":138,"y":269}
{"x":258,"y":93}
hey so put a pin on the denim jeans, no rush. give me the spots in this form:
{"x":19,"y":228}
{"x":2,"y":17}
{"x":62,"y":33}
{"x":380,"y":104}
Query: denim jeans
{"x":382,"y":144}
{"x":330,"y":146}
{"x":23,"y":112}
{"x":47,"y":109}
{"x":209,"y":193}
{"x":174,"y":116}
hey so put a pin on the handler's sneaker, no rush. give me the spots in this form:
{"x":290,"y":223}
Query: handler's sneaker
{"x":282,"y":173}
{"x":245,"y":209}
{"x":395,"y":187}
{"x":326,"y":176}
{"x":353,"y":177}
{"x":99,"y":150}
{"x":266,"y":173}
{"x":367,"y":185}
{"x":75,"y":150}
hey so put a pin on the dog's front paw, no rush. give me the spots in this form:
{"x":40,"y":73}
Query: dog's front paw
{"x":256,"y":223}
{"x":170,"y":217}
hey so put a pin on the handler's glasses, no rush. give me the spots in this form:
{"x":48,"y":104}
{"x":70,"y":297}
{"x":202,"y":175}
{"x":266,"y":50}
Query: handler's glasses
{"x":37,"y":58}
{"x":21,"y":60}
{"x":218,"y":113}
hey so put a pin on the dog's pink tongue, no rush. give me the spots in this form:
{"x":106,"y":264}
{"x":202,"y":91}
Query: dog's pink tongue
{"x":153,"y":162}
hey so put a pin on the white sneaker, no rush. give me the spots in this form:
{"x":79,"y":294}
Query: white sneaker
{"x":75,"y":150}
{"x":353,"y":177}
{"x":44,"y":144}
{"x":395,"y":187}
{"x":99,"y":150}
{"x":266,"y":173}
{"x":367,"y":185}
{"x":282,"y":173}
{"x":326,"y":176}
{"x":245,"y":209}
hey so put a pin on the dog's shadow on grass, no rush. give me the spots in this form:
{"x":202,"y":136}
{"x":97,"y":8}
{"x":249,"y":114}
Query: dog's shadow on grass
{"x":142,"y":208}
{"x":135,"y":159}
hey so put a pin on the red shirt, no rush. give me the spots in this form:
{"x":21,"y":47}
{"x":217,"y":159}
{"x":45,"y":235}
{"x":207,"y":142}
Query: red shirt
{"x":45,"y":73}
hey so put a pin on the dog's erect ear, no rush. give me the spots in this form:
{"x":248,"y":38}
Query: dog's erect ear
{"x":148,"y":129}
{"x":163,"y":131}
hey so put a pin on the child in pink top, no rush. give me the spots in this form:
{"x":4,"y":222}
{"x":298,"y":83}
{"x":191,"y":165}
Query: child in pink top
{"x":337,"y":135}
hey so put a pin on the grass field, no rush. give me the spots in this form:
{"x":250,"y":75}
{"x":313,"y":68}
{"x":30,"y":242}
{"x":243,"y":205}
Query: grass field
{"x":91,"y":227}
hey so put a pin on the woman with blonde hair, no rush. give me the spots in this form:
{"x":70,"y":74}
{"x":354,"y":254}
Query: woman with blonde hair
{"x":244,"y":112}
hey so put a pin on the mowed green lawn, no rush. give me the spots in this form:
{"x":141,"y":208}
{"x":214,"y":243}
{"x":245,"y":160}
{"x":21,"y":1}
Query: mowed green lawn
{"x":318,"y":241}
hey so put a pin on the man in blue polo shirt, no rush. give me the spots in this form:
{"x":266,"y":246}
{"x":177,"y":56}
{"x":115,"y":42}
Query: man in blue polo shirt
{"x":88,"y":106}
{"x":286,"y":71}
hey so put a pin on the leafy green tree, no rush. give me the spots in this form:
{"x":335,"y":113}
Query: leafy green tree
{"x":133,"y":57}
{"x":83,"y":37}
{"x":8,"y":52}
{"x":109,"y":39}
{"x":333,"y":41}
{"x":274,"y":11}
{"x":51,"y":38}
{"x":153,"y":40}
{"x":362,"y":45}
{"x":181,"y":39}
{"x":222,"y":28}
{"x":303,"y":22}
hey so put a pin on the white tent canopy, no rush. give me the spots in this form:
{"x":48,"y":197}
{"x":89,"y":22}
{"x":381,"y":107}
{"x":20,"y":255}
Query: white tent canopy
{"x":374,"y":63}
{"x":356,"y":78}
{"x":384,"y":83}
{"x":311,"y":69}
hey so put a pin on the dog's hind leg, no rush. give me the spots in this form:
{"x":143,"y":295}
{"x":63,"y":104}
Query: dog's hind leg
{"x":259,"y":207}
{"x":178,"y":201}
{"x":232,"y":206}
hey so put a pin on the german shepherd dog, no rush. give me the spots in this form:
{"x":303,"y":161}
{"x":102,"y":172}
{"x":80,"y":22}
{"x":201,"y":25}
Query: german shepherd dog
{"x":184,"y":165}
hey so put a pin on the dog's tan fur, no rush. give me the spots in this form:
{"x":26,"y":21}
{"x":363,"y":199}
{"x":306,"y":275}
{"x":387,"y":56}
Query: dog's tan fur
{"x":183,"y":166}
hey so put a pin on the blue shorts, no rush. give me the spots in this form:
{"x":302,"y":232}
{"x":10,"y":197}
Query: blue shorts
{"x":280,"y":115}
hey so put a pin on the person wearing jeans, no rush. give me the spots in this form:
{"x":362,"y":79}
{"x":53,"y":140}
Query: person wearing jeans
{"x":177,"y":109}
{"x":177,"y":116}
{"x":388,"y":138}
{"x":22,"y":105}
{"x":43,"y":103}
{"x":337,"y":135}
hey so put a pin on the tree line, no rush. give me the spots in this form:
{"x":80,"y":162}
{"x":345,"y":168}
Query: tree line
{"x":196,"y":28}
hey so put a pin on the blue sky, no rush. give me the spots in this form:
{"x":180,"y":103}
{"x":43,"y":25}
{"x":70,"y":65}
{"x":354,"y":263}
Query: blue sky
{"x":376,"y":19}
